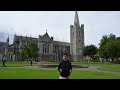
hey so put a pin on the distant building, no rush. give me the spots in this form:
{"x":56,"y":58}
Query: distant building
{"x":49,"y":50}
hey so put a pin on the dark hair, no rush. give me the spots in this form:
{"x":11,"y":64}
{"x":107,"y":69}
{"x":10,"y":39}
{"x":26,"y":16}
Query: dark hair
{"x":65,"y":54}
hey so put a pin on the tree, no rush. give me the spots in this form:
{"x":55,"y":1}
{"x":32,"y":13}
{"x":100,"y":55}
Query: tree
{"x":113,"y":49}
{"x":90,"y":51}
{"x":34,"y":50}
{"x":25,"y":51}
{"x":110,"y":47}
{"x":102,"y":52}
{"x":102,"y":49}
{"x":30,"y":51}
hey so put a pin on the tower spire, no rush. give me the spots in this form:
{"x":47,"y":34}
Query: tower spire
{"x":8,"y":39}
{"x":76,"y":19}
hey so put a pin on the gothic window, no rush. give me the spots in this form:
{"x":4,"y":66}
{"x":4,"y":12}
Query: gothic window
{"x":43,"y":48}
{"x":76,"y":24}
{"x":48,"y":48}
{"x":73,"y":33}
{"x":55,"y":48}
{"x":11,"y":56}
{"x":79,"y":33}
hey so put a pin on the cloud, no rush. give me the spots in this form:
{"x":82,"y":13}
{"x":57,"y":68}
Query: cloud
{"x":100,"y":23}
{"x":57,"y":23}
{"x":4,"y":36}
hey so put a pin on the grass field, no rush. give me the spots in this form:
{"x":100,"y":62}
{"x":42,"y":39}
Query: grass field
{"x":104,"y":66}
{"x":23,"y":73}
{"x":12,"y":72}
{"x":18,"y":64}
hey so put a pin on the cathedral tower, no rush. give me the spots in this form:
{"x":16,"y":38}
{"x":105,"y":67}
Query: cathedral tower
{"x":76,"y":39}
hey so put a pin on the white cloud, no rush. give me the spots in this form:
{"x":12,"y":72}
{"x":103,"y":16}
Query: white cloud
{"x":34,"y":23}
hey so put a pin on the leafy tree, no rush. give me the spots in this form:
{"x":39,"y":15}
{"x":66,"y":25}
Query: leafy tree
{"x":30,"y":51}
{"x":113,"y":49}
{"x":109,"y":47}
{"x":102,"y":52}
{"x":90,"y":51}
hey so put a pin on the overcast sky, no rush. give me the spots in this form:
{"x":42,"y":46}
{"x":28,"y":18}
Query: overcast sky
{"x":57,"y":24}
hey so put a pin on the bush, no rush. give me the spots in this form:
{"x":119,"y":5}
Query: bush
{"x":116,"y":61}
{"x":95,"y":59}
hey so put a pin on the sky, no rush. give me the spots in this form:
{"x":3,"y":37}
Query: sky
{"x":57,"y":24}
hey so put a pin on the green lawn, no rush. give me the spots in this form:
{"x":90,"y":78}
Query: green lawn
{"x":23,"y":73}
{"x":18,"y":64}
{"x":104,"y":66}
{"x":114,"y":68}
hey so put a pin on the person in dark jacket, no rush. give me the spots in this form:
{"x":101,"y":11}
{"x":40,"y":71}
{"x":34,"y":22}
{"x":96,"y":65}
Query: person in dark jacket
{"x":31,"y":61}
{"x":4,"y":60}
{"x":65,"y":67}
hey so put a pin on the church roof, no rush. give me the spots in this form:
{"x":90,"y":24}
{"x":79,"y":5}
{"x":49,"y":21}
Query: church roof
{"x":25,"y":38}
{"x":45,"y":37}
{"x":61,"y":43}
{"x":2,"y":46}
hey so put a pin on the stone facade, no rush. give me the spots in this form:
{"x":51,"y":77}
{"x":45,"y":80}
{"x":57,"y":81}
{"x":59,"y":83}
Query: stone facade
{"x":49,"y":49}
{"x":76,"y":39}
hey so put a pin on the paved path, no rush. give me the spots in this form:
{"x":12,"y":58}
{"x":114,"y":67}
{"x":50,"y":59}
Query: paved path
{"x":95,"y":68}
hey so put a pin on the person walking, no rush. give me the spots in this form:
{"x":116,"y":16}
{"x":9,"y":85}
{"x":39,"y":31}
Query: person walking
{"x":3,"y":61}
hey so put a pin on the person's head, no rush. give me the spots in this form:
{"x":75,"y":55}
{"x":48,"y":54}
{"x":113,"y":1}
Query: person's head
{"x":65,"y":57}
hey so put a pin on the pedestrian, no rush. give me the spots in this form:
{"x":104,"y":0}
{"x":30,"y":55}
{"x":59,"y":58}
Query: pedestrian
{"x":31,"y":61}
{"x":3,"y":61}
{"x":65,"y":67}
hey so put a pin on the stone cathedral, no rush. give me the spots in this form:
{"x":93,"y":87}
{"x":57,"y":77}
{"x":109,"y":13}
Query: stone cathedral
{"x":49,"y":49}
{"x":76,"y":39}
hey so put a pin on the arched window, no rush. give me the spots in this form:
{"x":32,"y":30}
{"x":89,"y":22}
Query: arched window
{"x":43,"y":48}
{"x":11,"y":57}
{"x":48,"y":48}
{"x":79,"y":33}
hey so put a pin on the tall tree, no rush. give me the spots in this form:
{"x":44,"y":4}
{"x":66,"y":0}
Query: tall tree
{"x":30,"y":51}
{"x":113,"y":49}
{"x":102,"y":49}
{"x":109,"y":47}
{"x":90,"y":51}
{"x":102,"y":52}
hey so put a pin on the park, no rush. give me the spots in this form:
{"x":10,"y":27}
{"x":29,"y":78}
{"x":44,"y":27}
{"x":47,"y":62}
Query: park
{"x":92,"y":70}
{"x":39,"y":57}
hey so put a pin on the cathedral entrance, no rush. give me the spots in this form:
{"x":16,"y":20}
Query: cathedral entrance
{"x":45,"y":58}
